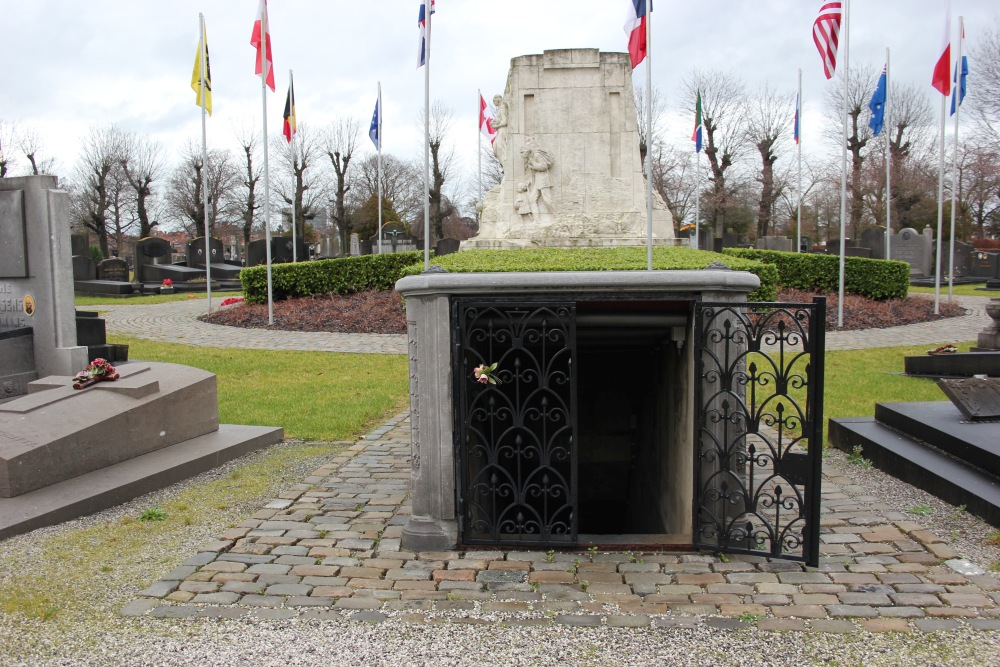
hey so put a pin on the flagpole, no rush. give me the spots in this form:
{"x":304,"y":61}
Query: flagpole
{"x":264,"y":37}
{"x":291,"y":147}
{"x":649,"y":136}
{"x":940,"y":216}
{"x":479,"y":141}
{"x":204,"y":163}
{"x":888,"y":158}
{"x":428,"y":11}
{"x":697,"y":198}
{"x":957,"y":93}
{"x":843,"y":167}
{"x":798,"y":132}
{"x":378,"y":165}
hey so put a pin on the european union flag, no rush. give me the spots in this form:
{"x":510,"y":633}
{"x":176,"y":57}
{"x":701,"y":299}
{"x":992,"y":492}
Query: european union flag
{"x":375,"y":132}
{"x":877,"y":105}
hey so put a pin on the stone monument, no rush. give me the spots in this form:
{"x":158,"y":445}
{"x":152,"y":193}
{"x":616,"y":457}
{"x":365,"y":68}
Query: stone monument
{"x":568,"y":141}
{"x":915,"y":249}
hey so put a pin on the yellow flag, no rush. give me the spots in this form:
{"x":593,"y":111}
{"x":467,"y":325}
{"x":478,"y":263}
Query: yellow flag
{"x":196,"y":78}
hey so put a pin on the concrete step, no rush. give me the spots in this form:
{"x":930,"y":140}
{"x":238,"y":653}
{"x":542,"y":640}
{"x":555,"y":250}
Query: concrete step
{"x":115,"y":484}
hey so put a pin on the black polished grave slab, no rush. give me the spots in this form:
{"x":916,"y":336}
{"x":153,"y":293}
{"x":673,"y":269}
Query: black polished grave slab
{"x":959,"y":364}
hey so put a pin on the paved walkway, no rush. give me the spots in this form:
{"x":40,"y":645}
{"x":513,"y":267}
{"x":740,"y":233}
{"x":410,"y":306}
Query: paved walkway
{"x":330,"y":546}
{"x":177,"y":322}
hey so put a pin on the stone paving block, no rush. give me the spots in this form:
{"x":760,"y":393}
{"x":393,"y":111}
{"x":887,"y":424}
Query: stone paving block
{"x":222,"y":613}
{"x":740,"y":609}
{"x":216,"y":598}
{"x":776,"y":589}
{"x":771,"y":600}
{"x":674,"y":622}
{"x":865,"y":599}
{"x":308,"y":601}
{"x":357,"y":603}
{"x":179,"y":596}
{"x":243,"y":587}
{"x":408,"y":574}
{"x":224,"y":566}
{"x":138,"y":607}
{"x":199,"y":586}
{"x":269,"y":568}
{"x":547,"y":577}
{"x":160,"y":589}
{"x":699,"y":579}
{"x":262,"y":600}
{"x":885,"y":625}
{"x":901,"y":612}
{"x":288,"y":589}
{"x":799,"y":611}
{"x":851,"y":611}
{"x":966,"y":600}
{"x":781,"y":624}
{"x":950,"y":612}
{"x":250,"y":559}
{"x":174,"y":612}
{"x":619,"y":621}
{"x":578,"y":620}
{"x":273,"y":614}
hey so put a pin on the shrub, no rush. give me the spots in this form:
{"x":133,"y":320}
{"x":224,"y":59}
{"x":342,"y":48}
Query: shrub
{"x":873,"y":278}
{"x":602,"y":259}
{"x":326,"y":276}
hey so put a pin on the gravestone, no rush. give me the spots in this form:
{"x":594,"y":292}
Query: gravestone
{"x":446,"y":246}
{"x":281,"y":250}
{"x":113,"y":268}
{"x":355,"y":245}
{"x":874,"y":239}
{"x":83,"y":265}
{"x":913,"y":248}
{"x":776,"y":243}
{"x":977,"y":398}
{"x":568,"y":141}
{"x":963,"y":259}
{"x":36,"y":283}
{"x":196,"y":252}
{"x":148,"y":252}
{"x":984,"y":265}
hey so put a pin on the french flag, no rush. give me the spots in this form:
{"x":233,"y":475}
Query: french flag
{"x":422,"y":25}
{"x":635,"y":28}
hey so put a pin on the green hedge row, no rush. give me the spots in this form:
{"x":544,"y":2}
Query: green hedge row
{"x":602,"y":259}
{"x":327,"y":276}
{"x":873,"y":278}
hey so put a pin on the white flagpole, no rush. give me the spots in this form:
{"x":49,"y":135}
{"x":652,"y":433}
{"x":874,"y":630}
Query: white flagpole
{"x":267,"y":181}
{"x":378,"y":165}
{"x":291,"y":147}
{"x":843,"y":167}
{"x":798,"y":120}
{"x":956,"y":91}
{"x":427,"y":133}
{"x":204,"y":162}
{"x":479,"y":141}
{"x":940,"y":216}
{"x":649,"y":136}
{"x":886,"y":122}
{"x":697,"y":198}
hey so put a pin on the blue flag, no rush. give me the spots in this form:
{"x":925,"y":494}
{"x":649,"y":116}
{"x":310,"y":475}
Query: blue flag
{"x":375,"y":132}
{"x":959,"y":86}
{"x":877,"y":105}
{"x":796,"y":132}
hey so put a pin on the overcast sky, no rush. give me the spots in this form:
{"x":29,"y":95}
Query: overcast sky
{"x":71,"y":65}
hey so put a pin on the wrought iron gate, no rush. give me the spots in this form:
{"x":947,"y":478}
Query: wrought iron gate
{"x":758,"y":428}
{"x":515,"y":438}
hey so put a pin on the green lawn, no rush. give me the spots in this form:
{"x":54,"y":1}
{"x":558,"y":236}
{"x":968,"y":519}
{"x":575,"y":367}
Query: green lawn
{"x":313,"y":395}
{"x":957,"y":290}
{"x":146,"y":299}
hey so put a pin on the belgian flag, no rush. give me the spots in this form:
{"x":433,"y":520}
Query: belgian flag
{"x":290,"y":122}
{"x":196,"y":78}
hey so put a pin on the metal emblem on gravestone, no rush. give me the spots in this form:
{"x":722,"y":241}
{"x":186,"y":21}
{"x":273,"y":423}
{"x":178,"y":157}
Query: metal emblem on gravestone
{"x":977,"y":398}
{"x":29,"y":305}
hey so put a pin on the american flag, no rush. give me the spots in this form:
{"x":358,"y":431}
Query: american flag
{"x":826,"y":34}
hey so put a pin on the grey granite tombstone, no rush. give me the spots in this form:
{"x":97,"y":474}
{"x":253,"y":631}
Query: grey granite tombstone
{"x":963,"y":259}
{"x":776,"y":243}
{"x":355,"y":245}
{"x":914,"y":249}
{"x":873,"y":238}
{"x":80,"y":244}
{"x":113,"y":268}
{"x":36,"y":280}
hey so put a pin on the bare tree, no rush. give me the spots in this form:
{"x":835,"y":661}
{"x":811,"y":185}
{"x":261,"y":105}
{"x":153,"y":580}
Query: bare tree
{"x":8,"y":139}
{"x":658,"y":110}
{"x":723,"y":117}
{"x":33,"y":147}
{"x":186,"y":199}
{"x":979,"y":179}
{"x":302,"y":186}
{"x":767,"y":129}
{"x":442,"y":159}
{"x":244,"y":199}
{"x":142,"y":166}
{"x":401,"y":185}
{"x":676,"y":179}
{"x":98,"y":184}
{"x":910,"y":123}
{"x":860,"y":86}
{"x":985,"y":93}
{"x":341,"y":141}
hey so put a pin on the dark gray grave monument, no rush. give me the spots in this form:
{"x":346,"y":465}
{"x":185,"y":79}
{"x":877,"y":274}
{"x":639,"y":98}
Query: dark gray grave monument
{"x":222,"y":272}
{"x":984,"y":265}
{"x":977,"y":398}
{"x":153,"y":263}
{"x":281,"y":250}
{"x":114,"y":269}
{"x":873,"y":238}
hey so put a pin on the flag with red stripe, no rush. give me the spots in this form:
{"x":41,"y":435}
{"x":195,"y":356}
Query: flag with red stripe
{"x":941,"y":79}
{"x":826,"y":35}
{"x":635,"y":28}
{"x":264,"y":63}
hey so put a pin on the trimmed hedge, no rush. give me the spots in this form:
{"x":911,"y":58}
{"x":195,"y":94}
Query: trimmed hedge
{"x":326,"y":276}
{"x":873,"y":278}
{"x":602,"y":259}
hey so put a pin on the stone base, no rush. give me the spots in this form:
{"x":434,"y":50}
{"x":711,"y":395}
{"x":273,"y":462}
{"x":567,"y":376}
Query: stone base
{"x":424,"y":533}
{"x":123,"y":481}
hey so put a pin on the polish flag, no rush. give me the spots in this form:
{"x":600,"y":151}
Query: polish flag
{"x":486,"y":120}
{"x":260,"y":27}
{"x":942,"y":68}
{"x":635,"y":28}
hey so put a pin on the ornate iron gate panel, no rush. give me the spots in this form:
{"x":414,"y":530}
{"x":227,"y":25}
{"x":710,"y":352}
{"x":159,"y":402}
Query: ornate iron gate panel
{"x":515,"y":433}
{"x":759,"y":427}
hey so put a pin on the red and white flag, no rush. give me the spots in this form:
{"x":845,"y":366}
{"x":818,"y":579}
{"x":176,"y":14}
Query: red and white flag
{"x":265,"y":63}
{"x":942,"y":68}
{"x":635,"y":28}
{"x":826,"y":35}
{"x":486,"y":120}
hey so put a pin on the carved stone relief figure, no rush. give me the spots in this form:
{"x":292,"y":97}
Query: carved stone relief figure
{"x":499,"y":125}
{"x":537,"y":163}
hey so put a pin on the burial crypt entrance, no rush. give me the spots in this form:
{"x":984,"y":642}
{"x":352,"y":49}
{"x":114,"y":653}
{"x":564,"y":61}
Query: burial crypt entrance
{"x":613,"y":409}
